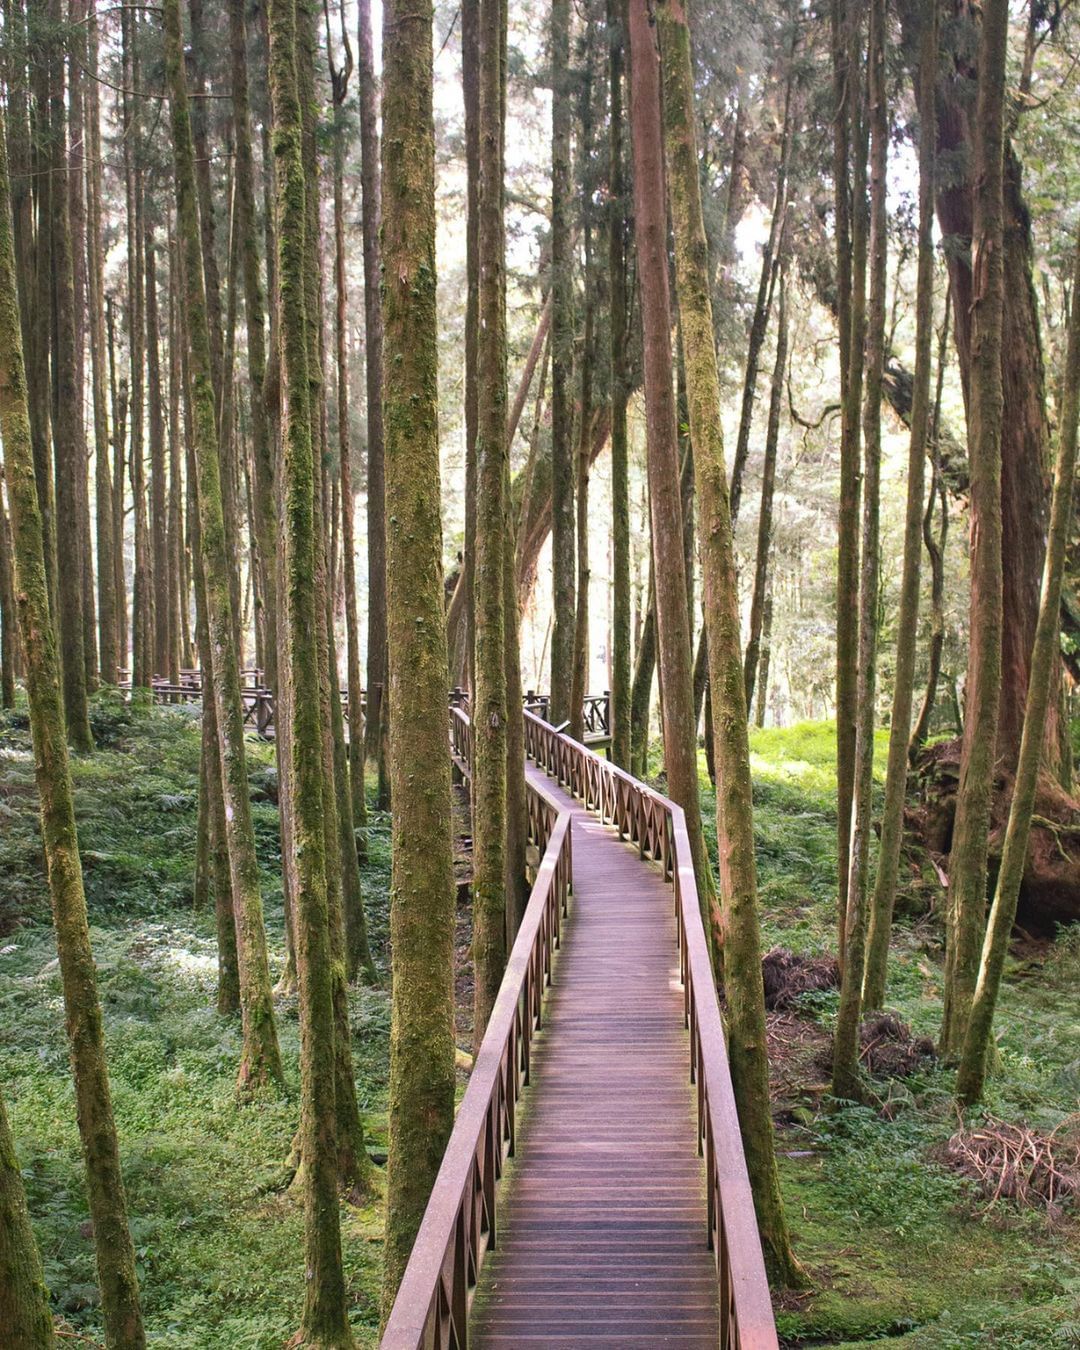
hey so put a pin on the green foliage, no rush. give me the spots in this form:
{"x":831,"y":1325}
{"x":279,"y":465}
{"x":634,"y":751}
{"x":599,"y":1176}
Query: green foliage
{"x":897,"y":1246}
{"x":217,"y":1230}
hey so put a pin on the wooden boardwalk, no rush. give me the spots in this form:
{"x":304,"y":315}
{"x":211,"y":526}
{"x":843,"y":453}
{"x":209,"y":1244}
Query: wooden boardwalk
{"x":601,"y":1229}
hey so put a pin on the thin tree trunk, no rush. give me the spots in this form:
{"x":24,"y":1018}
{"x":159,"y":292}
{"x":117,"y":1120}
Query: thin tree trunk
{"x":849,"y":176}
{"x":562,"y":361}
{"x":373,"y":363}
{"x":669,"y":568}
{"x":743,"y":986}
{"x":641,"y":689}
{"x":971,"y":1077}
{"x":70,"y":460}
{"x":766,"y":658}
{"x":105,"y":1185}
{"x":261,"y":1058}
{"x":935,"y":550}
{"x":768,"y":486}
{"x":108,"y":653}
{"x":422,"y":884}
{"x":159,"y":523}
{"x":967,"y":860}
{"x":8,"y":622}
{"x":620,"y":486}
{"x":845,"y":1079}
{"x":490,"y":710}
{"x":892,"y":818}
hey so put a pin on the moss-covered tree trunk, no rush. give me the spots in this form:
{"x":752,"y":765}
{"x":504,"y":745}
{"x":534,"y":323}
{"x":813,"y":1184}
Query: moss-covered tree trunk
{"x":325,"y":1320}
{"x":373,"y":338}
{"x":768,"y":487}
{"x":108,"y":654}
{"x":892,"y":817}
{"x":421,"y":1106}
{"x":24,"y":1299}
{"x":734,"y":814}
{"x":69,"y":459}
{"x":669,"y":567}
{"x":971,"y":1078}
{"x":261,"y":1058}
{"x":562,"y":364}
{"x":618,"y":325}
{"x":490,"y":711}
{"x":105,"y":1186}
{"x":846,"y":1040}
{"x":849,"y":179}
{"x":967,"y":861}
{"x":8,"y":622}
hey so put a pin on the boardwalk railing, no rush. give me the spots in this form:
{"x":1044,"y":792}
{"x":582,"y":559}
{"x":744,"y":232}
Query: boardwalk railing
{"x":432,"y":1305}
{"x":658,"y":826}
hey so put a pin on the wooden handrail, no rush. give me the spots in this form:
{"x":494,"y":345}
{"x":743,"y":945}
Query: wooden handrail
{"x":658,"y":826}
{"x":432,"y":1305}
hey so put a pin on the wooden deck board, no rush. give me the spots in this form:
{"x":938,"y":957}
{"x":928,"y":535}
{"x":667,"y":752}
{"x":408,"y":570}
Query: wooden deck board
{"x":602,"y":1221}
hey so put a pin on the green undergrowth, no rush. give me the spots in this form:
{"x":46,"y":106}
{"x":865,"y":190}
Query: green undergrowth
{"x":218,"y":1233}
{"x":897,"y":1246}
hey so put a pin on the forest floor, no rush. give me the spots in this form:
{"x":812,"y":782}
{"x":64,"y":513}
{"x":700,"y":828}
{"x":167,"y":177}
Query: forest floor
{"x":896,"y":1244}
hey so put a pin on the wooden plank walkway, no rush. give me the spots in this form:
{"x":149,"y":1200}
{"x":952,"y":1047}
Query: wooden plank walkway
{"x":602,"y":1229}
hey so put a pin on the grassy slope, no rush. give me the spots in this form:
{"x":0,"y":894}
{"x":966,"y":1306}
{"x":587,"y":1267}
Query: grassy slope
{"x":896,"y":1246}
{"x":889,"y":1238}
{"x":219,"y":1239}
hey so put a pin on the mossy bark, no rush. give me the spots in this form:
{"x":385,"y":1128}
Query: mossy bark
{"x":261,"y":1058}
{"x":971,"y":1077}
{"x":24,"y":1299}
{"x":421,"y":1095}
{"x":892,"y":817}
{"x":743,"y":986}
{"x":105,"y":1186}
{"x":490,"y":711}
{"x":108,"y":643}
{"x":325,"y":1319}
{"x":967,"y":860}
{"x":70,"y":460}
{"x":849,"y":179}
{"x":8,"y":622}
{"x":619,"y":377}
{"x":768,"y":487}
{"x":846,"y":1076}
{"x":373,"y":338}
{"x":669,"y":567}
{"x":562,"y":364}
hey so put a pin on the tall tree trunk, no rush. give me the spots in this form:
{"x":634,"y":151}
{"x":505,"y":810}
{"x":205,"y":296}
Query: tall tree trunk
{"x":97,"y":1128}
{"x":768,"y":486}
{"x":159,"y":524}
{"x":24,"y":1299}
{"x":971,"y":1077}
{"x":562,"y":361}
{"x":373,"y":365}
{"x":108,"y":645}
{"x":892,"y":817}
{"x":422,"y":882}
{"x":770,"y":265}
{"x":620,"y":487}
{"x":849,"y":176}
{"x":935,"y":550}
{"x":669,"y":569}
{"x":743,"y":986}
{"x":641,"y":689}
{"x":325,"y":1321}
{"x":967,"y":862}
{"x":766,"y":659}
{"x":118,"y":398}
{"x":70,"y":460}
{"x":76,"y":190}
{"x":490,"y":711}
{"x":261,"y":1058}
{"x":463,"y":652}
{"x":846,"y":1043}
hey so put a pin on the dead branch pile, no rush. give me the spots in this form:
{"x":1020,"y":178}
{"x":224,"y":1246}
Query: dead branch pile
{"x":888,"y":1049}
{"x":787,"y":975}
{"x":1014,"y":1162}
